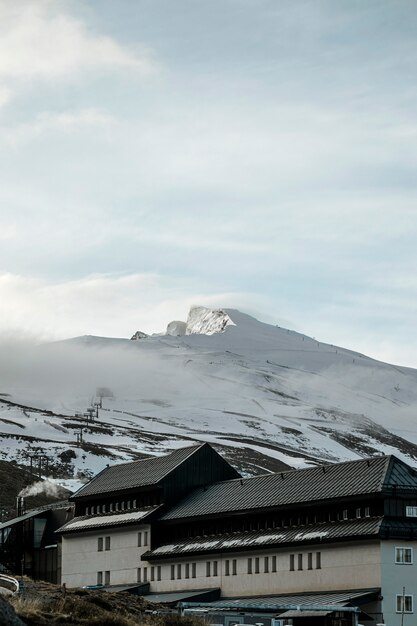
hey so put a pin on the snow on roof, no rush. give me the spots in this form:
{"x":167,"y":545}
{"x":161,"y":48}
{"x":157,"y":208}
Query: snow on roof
{"x":97,"y":521}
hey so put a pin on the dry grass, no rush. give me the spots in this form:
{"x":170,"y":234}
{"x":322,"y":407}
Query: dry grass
{"x":44,"y":604}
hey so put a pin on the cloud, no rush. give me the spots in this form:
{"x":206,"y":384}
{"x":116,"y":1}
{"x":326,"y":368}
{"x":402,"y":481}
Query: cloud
{"x":100,"y":304}
{"x":40,"y":40}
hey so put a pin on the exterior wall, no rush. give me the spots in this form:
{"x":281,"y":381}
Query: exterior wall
{"x":81,"y":560}
{"x":342,"y":567}
{"x":396,"y":576}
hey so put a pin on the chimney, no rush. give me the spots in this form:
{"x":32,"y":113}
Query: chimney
{"x":20,"y":505}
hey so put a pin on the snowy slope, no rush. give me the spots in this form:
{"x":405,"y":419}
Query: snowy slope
{"x":263,"y":394}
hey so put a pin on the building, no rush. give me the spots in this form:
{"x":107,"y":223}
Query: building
{"x":28,"y":543}
{"x":321,"y":545}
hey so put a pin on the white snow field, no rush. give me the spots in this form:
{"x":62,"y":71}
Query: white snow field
{"x":264,"y":395}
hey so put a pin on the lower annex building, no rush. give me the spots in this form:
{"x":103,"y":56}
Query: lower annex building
{"x":310,"y":543}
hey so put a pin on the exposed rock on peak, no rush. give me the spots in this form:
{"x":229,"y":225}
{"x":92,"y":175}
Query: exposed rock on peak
{"x":139,"y":335}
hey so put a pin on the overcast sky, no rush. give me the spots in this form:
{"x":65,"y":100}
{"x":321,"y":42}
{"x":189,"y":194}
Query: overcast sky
{"x":259,"y":154}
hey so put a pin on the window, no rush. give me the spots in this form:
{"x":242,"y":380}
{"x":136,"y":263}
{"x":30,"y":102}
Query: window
{"x":92,"y":510}
{"x":179,"y":571}
{"x":404,"y":604}
{"x":152,"y":573}
{"x":99,"y":578}
{"x":234,"y":567}
{"x":107,"y":577}
{"x":111,"y":507}
{"x":227,"y":567}
{"x":310,"y":560}
{"x":98,"y":508}
{"x":134,"y":504}
{"x":358,"y":513}
{"x":139,"y":575}
{"x":208,"y":569}
{"x":86,"y":510}
{"x":404,"y":556}
{"x":187,"y":570}
{"x":107,"y":543}
{"x":145,"y":538}
{"x":194,"y":570}
{"x":249,"y":566}
{"x":266,"y":565}
{"x":139,"y":540}
{"x":411,"y":511}
{"x":145,"y":574}
{"x":104,"y":508}
{"x":318,"y":560}
{"x":300,"y":562}
{"x":215,"y":568}
{"x":345,"y":514}
{"x":367,"y":511}
{"x":274,"y":564}
{"x":292,"y":559}
{"x":159,"y":572}
{"x":257,"y":565}
{"x":100,"y":544}
{"x":172,"y":572}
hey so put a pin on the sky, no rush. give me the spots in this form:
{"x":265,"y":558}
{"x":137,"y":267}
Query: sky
{"x":252,"y":154}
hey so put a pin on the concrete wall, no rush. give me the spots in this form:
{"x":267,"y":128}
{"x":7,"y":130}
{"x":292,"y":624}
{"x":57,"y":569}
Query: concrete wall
{"x":81,"y":559}
{"x":394,"y":577}
{"x":342,"y":567}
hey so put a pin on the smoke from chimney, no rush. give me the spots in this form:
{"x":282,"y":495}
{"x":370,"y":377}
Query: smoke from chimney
{"x":45,"y":487}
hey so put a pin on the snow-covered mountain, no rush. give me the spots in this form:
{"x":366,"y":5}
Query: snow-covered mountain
{"x":265,"y":395}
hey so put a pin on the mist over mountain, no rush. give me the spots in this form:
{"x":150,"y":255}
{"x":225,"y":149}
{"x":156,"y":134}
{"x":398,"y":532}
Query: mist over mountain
{"x":266,"y":396}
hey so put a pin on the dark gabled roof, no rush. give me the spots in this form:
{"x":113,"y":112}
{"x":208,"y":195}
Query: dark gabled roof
{"x":142,"y":473}
{"x":325,"y":482}
{"x":312,"y":534}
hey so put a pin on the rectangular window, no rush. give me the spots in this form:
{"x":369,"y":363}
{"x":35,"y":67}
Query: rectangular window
{"x":292,"y":560}
{"x":404,"y":556}
{"x":358,"y":513}
{"x":345,"y":514}
{"x":274,"y":564}
{"x":208,"y":569}
{"x":234,"y":567}
{"x":86,"y":510}
{"x":215,"y":568}
{"x":300,"y":562}
{"x":159,"y":572}
{"x":107,"y":543}
{"x":139,"y":575}
{"x":257,"y":565}
{"x":100,"y":544}
{"x":139,"y":540}
{"x":111,"y":507}
{"x":98,"y":508}
{"x":134,"y":504}
{"x":266,"y":565}
{"x":411,"y":511}
{"x":172,"y":572}
{"x":404,"y":604}
{"x":249,"y":566}
{"x":152,"y":573}
{"x":145,"y":574}
{"x":187,"y":570}
{"x":367,"y":511}
{"x":318,"y":560}
{"x":310,"y":560}
{"x":179,"y":571}
{"x":107,"y":577}
{"x":145,"y":538}
{"x":99,"y":578}
{"x":194,"y":570}
{"x":227,"y":567}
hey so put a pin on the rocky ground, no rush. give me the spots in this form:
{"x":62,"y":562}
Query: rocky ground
{"x":44,"y":604}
